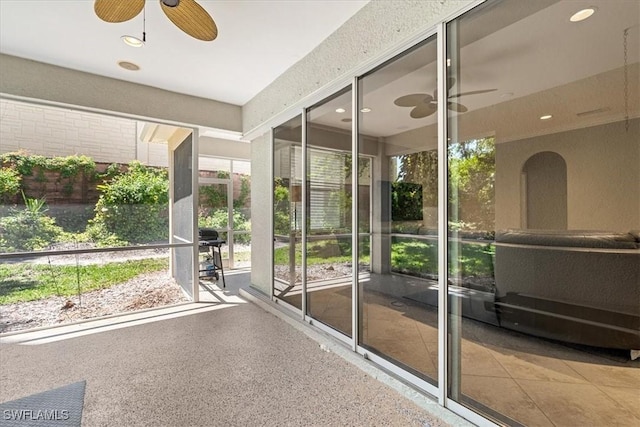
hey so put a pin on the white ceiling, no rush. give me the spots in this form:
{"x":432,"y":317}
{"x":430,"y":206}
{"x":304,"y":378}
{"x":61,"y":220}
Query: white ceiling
{"x":257,"y":41}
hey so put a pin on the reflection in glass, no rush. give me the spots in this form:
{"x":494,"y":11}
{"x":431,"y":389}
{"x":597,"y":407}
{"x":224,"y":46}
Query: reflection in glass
{"x":544,"y":256}
{"x":399,"y":294}
{"x":287,"y":211}
{"x":329,"y":204}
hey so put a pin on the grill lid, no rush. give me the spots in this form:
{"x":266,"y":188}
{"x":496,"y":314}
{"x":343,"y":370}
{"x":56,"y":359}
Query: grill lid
{"x":207,"y":234}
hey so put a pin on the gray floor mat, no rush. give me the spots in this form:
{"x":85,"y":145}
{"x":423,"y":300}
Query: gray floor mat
{"x":60,"y":407}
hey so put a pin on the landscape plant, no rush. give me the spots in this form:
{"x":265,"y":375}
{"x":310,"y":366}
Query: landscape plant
{"x":69,"y":169}
{"x":9,"y":184}
{"x":28,"y":228}
{"x":132,"y":208}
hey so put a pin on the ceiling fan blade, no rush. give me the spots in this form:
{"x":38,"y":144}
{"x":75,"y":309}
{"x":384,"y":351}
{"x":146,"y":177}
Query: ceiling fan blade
{"x":457,"y":107}
{"x":423,"y":110}
{"x":413,"y":100}
{"x":117,"y":10}
{"x":450,"y":82}
{"x":191,"y":18}
{"x":473,"y":92}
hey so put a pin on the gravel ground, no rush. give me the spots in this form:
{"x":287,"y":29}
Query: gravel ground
{"x":145,"y":291}
{"x":318,"y":271}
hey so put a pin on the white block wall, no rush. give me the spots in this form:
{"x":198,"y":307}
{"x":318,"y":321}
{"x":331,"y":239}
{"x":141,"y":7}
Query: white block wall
{"x":60,"y":132}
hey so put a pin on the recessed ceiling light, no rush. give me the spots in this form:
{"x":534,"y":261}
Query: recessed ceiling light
{"x":340,"y":110}
{"x":132,"y":41}
{"x":448,"y":62}
{"x":583,"y":14}
{"x":346,"y":120}
{"x":365,"y":110}
{"x":546,"y":117}
{"x":130,"y":66}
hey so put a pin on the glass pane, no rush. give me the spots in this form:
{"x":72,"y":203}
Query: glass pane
{"x":544,"y":180}
{"x":213,"y":209}
{"x":287,"y":211}
{"x":398,"y":130}
{"x":242,"y":250}
{"x":241,"y":214}
{"x":329,"y":222}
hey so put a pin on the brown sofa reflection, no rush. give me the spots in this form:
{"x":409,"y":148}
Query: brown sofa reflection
{"x":576,"y":286}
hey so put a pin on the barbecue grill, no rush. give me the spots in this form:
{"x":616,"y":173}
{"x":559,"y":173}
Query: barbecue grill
{"x":209,"y":240}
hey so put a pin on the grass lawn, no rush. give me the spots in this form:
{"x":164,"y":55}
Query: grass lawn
{"x":408,"y":255}
{"x":417,"y":256}
{"x":323,"y":252}
{"x":28,"y":282}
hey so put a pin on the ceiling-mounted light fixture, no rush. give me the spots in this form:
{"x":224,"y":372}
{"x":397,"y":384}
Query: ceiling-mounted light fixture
{"x":583,"y":14}
{"x":132,"y":41}
{"x":546,"y":117}
{"x":129,"y":66}
{"x":340,"y":110}
{"x":365,"y":110}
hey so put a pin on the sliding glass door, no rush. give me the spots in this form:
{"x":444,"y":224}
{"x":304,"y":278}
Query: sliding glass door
{"x":544,"y":207}
{"x":287,"y":212}
{"x":328,"y":207}
{"x":398,"y":315}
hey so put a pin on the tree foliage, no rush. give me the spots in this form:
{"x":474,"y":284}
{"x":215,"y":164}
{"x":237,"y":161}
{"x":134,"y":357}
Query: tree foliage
{"x":471,"y":182}
{"x":472,"y":166}
{"x":421,"y":168}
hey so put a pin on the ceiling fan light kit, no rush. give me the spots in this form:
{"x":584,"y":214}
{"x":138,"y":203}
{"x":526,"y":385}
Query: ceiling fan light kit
{"x":187,"y":15}
{"x":132,"y":41}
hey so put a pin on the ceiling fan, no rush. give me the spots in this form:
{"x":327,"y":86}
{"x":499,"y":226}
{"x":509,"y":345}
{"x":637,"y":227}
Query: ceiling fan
{"x":187,"y":15}
{"x":425,"y":105}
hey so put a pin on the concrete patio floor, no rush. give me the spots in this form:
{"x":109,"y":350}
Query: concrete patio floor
{"x":226,"y":362}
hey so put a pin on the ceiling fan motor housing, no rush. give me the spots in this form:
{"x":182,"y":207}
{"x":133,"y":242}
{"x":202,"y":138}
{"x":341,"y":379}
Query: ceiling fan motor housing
{"x":170,"y":3}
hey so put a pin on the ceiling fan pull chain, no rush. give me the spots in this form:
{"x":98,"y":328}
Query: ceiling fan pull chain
{"x":144,"y":23}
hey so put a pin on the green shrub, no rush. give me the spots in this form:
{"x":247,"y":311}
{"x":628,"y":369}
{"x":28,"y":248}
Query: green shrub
{"x":29,"y":228}
{"x":132,"y":207}
{"x":9,"y":184}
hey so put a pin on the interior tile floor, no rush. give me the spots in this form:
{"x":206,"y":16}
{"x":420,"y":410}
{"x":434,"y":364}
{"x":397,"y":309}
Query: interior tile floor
{"x":533,"y":381}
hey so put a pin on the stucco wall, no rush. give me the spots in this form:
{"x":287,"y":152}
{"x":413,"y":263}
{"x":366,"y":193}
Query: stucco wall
{"x":261,"y":213}
{"x":224,"y":148}
{"x":31,"y":79}
{"x":603,"y":176}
